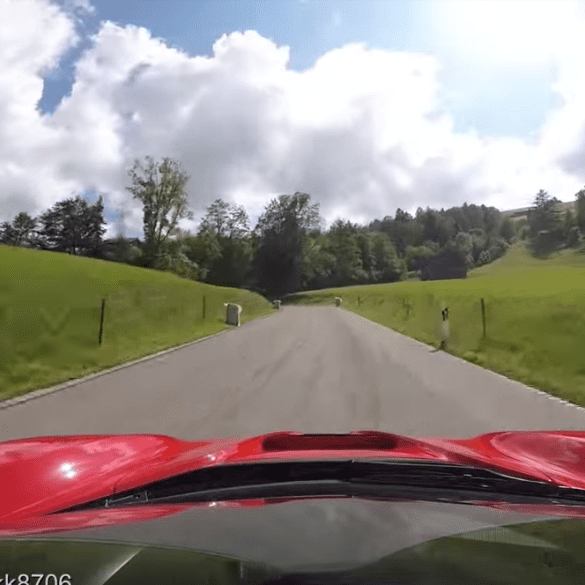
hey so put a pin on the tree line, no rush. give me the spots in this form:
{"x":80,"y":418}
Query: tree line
{"x":288,"y":249}
{"x":547,"y":228}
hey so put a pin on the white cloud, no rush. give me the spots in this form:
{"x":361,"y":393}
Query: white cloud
{"x":562,"y":137}
{"x":362,"y":130}
{"x":32,"y":38}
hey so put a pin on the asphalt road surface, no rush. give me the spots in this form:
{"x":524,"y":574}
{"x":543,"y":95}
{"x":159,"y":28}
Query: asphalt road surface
{"x":308,"y":369}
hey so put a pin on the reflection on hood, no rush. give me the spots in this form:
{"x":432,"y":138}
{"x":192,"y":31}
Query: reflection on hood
{"x":543,"y":552}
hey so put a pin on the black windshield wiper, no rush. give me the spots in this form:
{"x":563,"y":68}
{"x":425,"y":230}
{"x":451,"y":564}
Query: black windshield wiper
{"x":371,"y":478}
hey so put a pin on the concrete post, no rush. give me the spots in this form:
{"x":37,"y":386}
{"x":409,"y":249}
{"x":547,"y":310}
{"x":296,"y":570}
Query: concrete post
{"x":233,"y":312}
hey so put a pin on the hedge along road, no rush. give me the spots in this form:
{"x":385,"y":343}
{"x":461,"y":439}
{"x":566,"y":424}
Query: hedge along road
{"x":308,"y":369}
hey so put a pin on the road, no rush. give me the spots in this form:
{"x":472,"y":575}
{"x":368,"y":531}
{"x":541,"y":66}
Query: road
{"x":309,"y":369}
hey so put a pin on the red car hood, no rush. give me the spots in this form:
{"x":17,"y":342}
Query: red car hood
{"x":43,"y":475}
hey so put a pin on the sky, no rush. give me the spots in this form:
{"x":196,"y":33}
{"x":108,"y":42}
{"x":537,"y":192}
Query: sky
{"x":368,"y":105}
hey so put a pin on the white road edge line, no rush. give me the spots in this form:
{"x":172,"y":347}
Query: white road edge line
{"x":412,"y":339}
{"x":44,"y":391}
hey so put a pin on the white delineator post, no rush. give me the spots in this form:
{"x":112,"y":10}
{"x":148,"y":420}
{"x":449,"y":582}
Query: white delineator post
{"x":233,"y":314}
{"x":276,"y":305}
{"x":444,"y":327}
{"x":337,"y":301}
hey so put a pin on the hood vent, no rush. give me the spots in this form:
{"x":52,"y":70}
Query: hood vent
{"x":308,"y":442}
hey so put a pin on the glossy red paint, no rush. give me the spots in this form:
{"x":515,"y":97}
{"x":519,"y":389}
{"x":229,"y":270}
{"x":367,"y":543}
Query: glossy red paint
{"x":554,"y":456}
{"x":46,"y":474}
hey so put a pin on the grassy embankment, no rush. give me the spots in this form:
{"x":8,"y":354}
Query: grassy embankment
{"x":535,"y":316}
{"x":50,"y":307}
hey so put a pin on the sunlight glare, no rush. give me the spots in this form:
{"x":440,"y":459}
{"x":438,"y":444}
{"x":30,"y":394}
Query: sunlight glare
{"x":508,"y":32}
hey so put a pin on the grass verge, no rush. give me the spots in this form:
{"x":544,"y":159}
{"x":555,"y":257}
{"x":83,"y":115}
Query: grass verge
{"x":50,"y":309}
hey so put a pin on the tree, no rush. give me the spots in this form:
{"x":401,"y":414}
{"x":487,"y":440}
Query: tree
{"x":72,"y":226}
{"x":233,"y":266}
{"x":479,"y":242}
{"x":172,"y":258}
{"x":403,"y":230}
{"x":93,"y":228}
{"x":543,"y":214}
{"x":544,"y":223}
{"x":318,"y":263}
{"x":24,"y":226}
{"x":281,"y":230}
{"x":459,"y":217}
{"x":484,"y":257}
{"x":432,"y":245}
{"x":216,"y":218}
{"x":7,"y":234}
{"x":463,"y":242}
{"x":568,"y":223}
{"x":388,"y":267}
{"x":225,"y":220}
{"x":402,"y":216}
{"x":203,"y":249}
{"x":161,"y":189}
{"x":20,"y":231}
{"x":507,"y":229}
{"x":430,"y":225}
{"x":401,"y":233}
{"x":121,"y":249}
{"x":497,"y":248}
{"x":229,"y":225}
{"x":447,"y":229}
{"x":491,"y":219}
{"x":365,"y":242}
{"x":417,"y":257}
{"x":341,"y":226}
{"x":474,"y":215}
{"x":290,"y":211}
{"x":342,"y":244}
{"x":573,"y":239}
{"x":238,"y":225}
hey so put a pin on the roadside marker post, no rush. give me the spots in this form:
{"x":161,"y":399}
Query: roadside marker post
{"x":233,"y":314}
{"x":483,"y":316}
{"x":444,"y":327}
{"x":407,"y":305}
{"x":102,"y":320}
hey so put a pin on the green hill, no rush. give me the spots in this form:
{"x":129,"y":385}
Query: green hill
{"x":535,"y":316}
{"x":522,"y":212}
{"x":50,"y":309}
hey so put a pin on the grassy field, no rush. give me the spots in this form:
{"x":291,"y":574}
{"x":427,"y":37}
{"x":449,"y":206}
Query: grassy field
{"x":535,"y":316}
{"x":50,"y":308}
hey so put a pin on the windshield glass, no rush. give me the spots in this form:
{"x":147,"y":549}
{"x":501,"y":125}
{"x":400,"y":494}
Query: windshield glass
{"x":258,"y":254}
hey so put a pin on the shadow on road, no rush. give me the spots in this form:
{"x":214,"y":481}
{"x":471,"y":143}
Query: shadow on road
{"x":441,"y":347}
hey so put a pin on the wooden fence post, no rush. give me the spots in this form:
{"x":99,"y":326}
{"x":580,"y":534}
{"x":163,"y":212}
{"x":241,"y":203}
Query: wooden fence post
{"x":102,"y":320}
